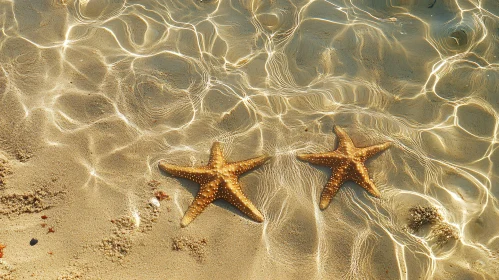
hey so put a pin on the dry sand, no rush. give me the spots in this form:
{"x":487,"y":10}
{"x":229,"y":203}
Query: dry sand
{"x":94,"y":93}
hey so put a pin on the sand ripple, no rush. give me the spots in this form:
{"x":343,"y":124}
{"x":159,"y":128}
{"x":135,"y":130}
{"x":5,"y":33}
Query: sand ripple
{"x":103,"y":89}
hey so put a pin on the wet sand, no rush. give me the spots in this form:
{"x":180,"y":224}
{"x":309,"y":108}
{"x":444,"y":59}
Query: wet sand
{"x":95,"y":93}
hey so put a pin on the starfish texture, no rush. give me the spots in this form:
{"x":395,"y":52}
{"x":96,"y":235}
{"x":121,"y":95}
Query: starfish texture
{"x":218,"y":179}
{"x":347,"y":164}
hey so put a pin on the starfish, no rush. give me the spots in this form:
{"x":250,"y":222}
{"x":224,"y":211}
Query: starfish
{"x":218,"y":179}
{"x":347,"y":164}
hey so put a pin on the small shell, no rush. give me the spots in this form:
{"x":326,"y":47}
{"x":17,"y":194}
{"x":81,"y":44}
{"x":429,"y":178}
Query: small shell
{"x":154,"y":202}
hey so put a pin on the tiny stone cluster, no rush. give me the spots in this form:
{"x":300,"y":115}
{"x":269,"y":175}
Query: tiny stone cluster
{"x":119,"y":244}
{"x":4,"y":171}
{"x":421,"y":216}
{"x":29,"y":202}
{"x":196,"y":248}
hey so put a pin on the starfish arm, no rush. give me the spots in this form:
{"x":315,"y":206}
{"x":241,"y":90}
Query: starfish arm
{"x":324,"y":159}
{"x":344,"y":141}
{"x":234,"y":195}
{"x":197,"y":174}
{"x":205,"y":196}
{"x":244,"y":166}
{"x":361,"y":177}
{"x":367,"y":152}
{"x":331,"y":188}
{"x":216,"y":155}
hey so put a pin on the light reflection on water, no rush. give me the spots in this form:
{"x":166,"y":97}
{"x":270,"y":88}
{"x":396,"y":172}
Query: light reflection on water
{"x":124,"y":84}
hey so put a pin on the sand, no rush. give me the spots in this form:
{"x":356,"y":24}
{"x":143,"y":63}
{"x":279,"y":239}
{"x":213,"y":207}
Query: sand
{"x":94,"y":93}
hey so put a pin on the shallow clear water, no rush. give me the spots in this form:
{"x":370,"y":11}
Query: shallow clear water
{"x":119,"y":85}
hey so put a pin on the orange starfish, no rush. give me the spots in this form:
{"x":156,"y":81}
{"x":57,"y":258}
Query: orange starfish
{"x":347,"y":164}
{"x":218,"y":179}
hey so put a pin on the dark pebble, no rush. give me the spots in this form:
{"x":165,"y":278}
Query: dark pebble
{"x":33,"y":242}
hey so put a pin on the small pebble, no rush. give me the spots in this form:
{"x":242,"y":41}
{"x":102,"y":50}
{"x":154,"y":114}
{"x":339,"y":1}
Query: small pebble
{"x":33,"y":242}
